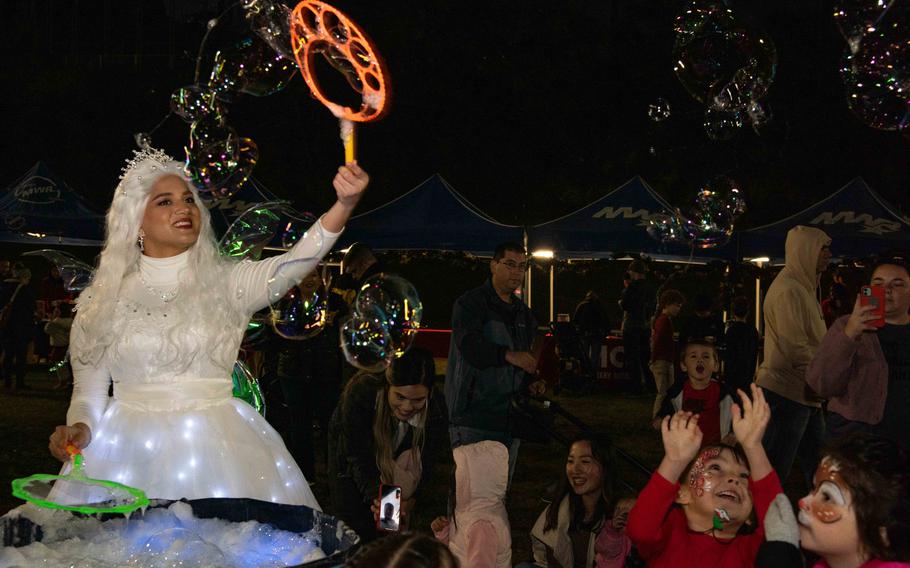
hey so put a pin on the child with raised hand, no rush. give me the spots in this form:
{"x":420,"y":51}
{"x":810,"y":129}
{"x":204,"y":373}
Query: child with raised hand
{"x":697,"y":509}
{"x":858,"y":513}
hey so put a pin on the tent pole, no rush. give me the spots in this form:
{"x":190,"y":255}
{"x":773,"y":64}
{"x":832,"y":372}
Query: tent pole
{"x":552,"y":288}
{"x":758,"y":322}
{"x":529,"y":272}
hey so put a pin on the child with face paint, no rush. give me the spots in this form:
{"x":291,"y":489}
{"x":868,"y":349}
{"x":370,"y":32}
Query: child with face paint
{"x":858,"y":512}
{"x":697,"y":509}
{"x":699,"y":393}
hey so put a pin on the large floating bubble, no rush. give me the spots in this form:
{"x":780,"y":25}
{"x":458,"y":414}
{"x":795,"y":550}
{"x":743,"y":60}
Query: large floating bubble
{"x":272,"y":22}
{"x":221,"y":168}
{"x":722,"y":124}
{"x":303,"y":312}
{"x":252,"y":67}
{"x":718,"y":203}
{"x":856,"y":18}
{"x":366,"y":342}
{"x":397,"y":301}
{"x":665,"y":228}
{"x":76,"y":275}
{"x":193,"y":102}
{"x":717,"y":57}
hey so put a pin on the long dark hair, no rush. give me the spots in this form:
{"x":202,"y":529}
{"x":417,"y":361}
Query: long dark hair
{"x":416,"y":367}
{"x":602,"y":450}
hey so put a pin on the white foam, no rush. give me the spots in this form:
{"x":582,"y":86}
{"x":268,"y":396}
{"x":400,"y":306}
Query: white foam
{"x":162,"y":538}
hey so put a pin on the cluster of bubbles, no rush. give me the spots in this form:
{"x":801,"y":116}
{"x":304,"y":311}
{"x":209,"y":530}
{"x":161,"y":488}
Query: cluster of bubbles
{"x":246,"y":239}
{"x":218,"y":159}
{"x":708,"y":222}
{"x":387,"y":314}
{"x":724,"y":65}
{"x":875,"y":68}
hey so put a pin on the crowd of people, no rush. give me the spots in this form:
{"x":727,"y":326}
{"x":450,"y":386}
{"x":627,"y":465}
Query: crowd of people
{"x":163,"y":319}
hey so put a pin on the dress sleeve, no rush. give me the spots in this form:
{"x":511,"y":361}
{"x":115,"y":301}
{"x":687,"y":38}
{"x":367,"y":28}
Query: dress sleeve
{"x":647,"y":526}
{"x":89,"y":400}
{"x":250,"y":279}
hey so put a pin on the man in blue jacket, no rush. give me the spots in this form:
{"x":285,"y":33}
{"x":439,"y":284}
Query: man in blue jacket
{"x":490,"y":358}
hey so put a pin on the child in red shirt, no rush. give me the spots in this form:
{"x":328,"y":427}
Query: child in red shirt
{"x":697,"y":392}
{"x":707,"y":520}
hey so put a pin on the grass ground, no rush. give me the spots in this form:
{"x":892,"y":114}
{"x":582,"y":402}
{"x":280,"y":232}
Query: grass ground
{"x":28,"y":417}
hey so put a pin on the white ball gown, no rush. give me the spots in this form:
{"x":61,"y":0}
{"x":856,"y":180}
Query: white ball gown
{"x":176,"y":431}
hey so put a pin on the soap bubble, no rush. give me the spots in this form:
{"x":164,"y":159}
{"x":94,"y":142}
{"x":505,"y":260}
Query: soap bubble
{"x":246,"y":387}
{"x":721,"y":124}
{"x":272,"y":22}
{"x":366,"y":342}
{"x":192,"y":102}
{"x":223,"y":167}
{"x":665,"y":228}
{"x":659,"y":110}
{"x":717,"y":205}
{"x":303,"y":311}
{"x":397,"y":300}
{"x":716,"y":55}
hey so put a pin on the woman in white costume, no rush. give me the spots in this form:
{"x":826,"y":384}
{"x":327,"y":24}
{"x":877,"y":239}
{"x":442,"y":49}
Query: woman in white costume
{"x":163,"y":319}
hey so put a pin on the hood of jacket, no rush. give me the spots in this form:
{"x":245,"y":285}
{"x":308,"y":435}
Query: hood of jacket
{"x":801,"y":252}
{"x":481,"y":476}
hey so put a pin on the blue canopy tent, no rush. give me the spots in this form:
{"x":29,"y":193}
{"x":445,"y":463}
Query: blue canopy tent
{"x":432,"y":216}
{"x":616,"y":223}
{"x":856,"y":218}
{"x":40,"y":208}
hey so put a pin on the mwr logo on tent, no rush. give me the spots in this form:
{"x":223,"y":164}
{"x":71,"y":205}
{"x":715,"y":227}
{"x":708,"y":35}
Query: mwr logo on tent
{"x":876,"y":226}
{"x":38,"y":190}
{"x":625,"y":213}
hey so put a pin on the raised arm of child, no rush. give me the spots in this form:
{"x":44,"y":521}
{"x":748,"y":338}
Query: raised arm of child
{"x":750,"y":419}
{"x":682,"y":439}
{"x":646,"y":526}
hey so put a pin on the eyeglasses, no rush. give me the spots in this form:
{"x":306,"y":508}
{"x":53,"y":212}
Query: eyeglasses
{"x":512,"y":265}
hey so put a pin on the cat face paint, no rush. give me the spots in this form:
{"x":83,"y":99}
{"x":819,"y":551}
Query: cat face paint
{"x":827,"y":519}
{"x":828,"y":500}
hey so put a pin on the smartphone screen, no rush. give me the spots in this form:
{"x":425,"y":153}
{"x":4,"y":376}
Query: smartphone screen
{"x":874,"y":296}
{"x":389,"y":508}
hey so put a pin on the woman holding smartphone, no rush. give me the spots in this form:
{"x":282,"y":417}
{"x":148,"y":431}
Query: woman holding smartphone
{"x":863,"y":367}
{"x":384,"y":432}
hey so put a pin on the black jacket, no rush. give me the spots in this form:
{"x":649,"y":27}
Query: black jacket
{"x":480,"y":384}
{"x":352,"y":453}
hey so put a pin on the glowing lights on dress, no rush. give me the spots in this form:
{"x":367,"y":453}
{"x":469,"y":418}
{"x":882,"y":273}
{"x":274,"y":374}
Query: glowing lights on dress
{"x":148,"y":444}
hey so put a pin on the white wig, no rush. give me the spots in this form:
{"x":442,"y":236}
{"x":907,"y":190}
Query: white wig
{"x":202,"y":285}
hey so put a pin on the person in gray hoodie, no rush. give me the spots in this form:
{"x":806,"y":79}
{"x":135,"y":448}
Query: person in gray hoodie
{"x":794,"y":328}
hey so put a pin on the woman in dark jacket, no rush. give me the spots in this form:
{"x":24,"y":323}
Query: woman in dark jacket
{"x":385,"y":429}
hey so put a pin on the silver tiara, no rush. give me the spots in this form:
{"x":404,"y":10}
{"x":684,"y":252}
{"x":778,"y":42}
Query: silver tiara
{"x":140,"y":156}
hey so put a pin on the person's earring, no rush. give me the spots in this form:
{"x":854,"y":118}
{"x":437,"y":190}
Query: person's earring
{"x":141,"y":241}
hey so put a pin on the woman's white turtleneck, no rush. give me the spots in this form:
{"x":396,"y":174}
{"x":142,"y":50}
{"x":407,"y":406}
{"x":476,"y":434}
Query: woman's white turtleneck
{"x":163,"y":272}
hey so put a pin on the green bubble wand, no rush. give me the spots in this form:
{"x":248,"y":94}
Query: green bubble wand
{"x":37,"y":489}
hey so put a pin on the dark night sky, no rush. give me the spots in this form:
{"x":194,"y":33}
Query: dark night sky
{"x":530,"y":109}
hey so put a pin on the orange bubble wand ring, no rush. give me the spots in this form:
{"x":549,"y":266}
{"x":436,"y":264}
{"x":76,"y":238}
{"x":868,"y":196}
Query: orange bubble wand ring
{"x":320,"y":29}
